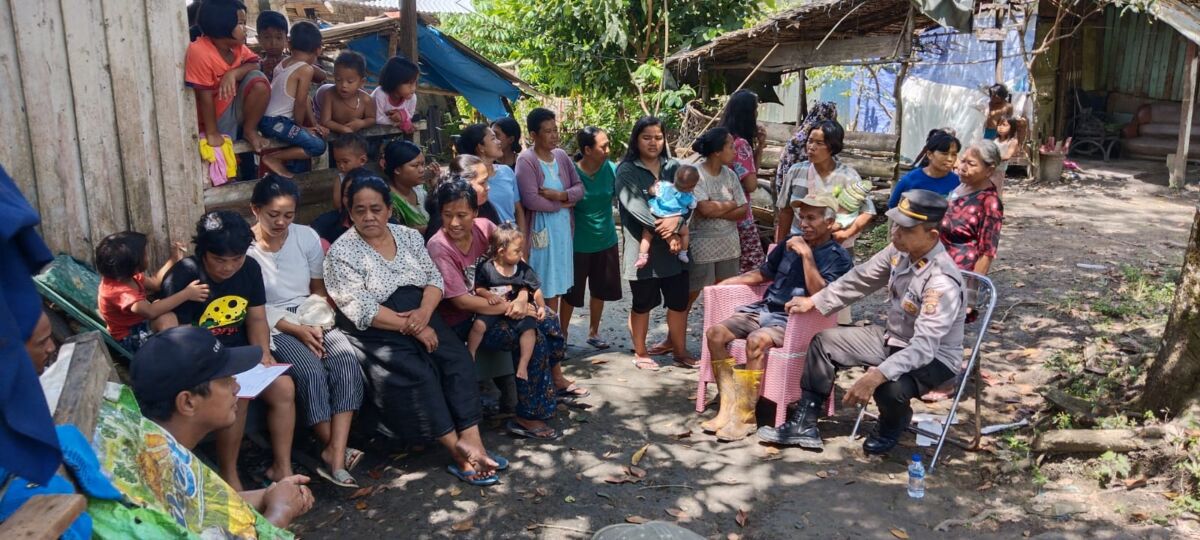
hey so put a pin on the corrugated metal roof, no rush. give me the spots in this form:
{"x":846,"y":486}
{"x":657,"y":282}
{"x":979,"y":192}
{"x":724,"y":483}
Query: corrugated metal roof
{"x":425,"y":6}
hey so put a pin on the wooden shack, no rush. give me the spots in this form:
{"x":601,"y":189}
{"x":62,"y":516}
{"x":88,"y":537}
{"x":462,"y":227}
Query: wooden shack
{"x":816,"y":34}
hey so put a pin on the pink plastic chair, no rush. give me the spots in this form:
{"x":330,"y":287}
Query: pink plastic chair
{"x":781,"y":381}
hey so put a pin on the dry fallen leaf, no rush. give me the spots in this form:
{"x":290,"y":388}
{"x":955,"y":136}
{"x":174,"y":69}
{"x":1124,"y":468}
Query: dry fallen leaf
{"x":1139,"y":516}
{"x":1134,"y":483}
{"x":363,"y":492}
{"x":636,"y":519}
{"x":771,"y":450}
{"x":617,"y":479}
{"x":637,"y":456}
{"x":677,"y":514}
{"x":636,"y":471}
{"x":376,"y":473}
{"x":455,"y":491}
{"x":986,"y":486}
{"x":361,"y":505}
{"x":598,"y":361}
{"x":740,"y":518}
{"x":683,"y":434}
{"x":463,"y":526}
{"x":1171,"y":495}
{"x":899,"y":533}
{"x":822,"y":474}
{"x":541,"y":492}
{"x":532,"y":527}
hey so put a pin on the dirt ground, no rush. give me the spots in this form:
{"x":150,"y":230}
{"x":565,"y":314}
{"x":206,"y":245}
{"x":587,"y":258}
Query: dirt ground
{"x":1121,"y":215}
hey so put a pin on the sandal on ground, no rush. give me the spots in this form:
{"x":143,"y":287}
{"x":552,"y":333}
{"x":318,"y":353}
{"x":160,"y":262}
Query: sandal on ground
{"x":546,"y":434}
{"x":572,"y":391}
{"x":598,"y":342}
{"x":340,"y":477}
{"x":352,"y":458}
{"x":501,"y":462}
{"x":687,"y":362}
{"x":644,"y":362}
{"x":660,"y":349}
{"x":466,"y":475}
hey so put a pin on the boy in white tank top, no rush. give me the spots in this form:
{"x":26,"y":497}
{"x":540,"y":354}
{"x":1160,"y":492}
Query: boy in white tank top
{"x":289,"y":109}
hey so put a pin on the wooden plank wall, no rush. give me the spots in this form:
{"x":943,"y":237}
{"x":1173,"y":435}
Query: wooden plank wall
{"x":100,"y":129}
{"x":1143,"y":57}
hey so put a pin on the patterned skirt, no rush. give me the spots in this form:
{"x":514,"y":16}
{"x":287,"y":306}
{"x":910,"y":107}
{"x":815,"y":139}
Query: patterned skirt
{"x":752,"y":248}
{"x":535,"y":397}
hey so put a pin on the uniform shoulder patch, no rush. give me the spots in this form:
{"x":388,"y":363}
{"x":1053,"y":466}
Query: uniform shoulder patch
{"x":930,"y":301}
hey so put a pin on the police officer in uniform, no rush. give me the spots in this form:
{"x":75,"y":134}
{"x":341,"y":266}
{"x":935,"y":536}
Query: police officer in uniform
{"x":920,"y":348}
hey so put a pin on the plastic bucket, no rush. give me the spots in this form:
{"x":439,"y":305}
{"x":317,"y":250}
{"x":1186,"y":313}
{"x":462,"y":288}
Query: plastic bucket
{"x":1050,"y":166}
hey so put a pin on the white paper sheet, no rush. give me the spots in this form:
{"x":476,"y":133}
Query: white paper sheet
{"x":258,"y":378}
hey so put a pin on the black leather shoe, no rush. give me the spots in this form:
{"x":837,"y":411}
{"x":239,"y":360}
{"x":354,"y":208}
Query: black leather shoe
{"x":877,"y":445}
{"x":800,"y":428}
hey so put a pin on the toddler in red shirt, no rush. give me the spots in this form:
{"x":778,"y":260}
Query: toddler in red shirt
{"x":121,"y":259}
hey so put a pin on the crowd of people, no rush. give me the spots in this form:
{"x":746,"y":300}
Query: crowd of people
{"x":395,"y":298}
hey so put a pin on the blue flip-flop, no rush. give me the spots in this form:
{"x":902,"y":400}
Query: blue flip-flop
{"x":501,"y":462}
{"x":465,"y":476}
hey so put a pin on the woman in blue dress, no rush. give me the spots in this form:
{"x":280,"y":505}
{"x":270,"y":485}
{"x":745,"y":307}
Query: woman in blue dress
{"x":550,"y":187}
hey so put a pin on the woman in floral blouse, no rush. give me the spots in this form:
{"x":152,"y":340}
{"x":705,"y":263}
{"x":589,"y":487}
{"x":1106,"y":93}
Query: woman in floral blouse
{"x":971,"y":228}
{"x":421,"y":376}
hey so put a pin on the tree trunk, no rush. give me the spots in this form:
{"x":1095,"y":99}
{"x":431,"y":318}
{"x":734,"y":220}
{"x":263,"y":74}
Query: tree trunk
{"x":1173,"y":381}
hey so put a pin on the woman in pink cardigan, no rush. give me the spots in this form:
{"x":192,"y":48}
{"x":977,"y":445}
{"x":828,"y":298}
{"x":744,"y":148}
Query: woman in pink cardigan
{"x":549,"y":187}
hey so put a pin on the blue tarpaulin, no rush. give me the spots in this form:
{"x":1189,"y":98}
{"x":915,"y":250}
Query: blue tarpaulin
{"x":444,"y":66}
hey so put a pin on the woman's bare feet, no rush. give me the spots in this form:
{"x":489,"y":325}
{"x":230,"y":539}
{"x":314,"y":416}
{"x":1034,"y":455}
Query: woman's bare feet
{"x":660,"y":348}
{"x":469,"y":457}
{"x":334,"y":458}
{"x":277,"y":473}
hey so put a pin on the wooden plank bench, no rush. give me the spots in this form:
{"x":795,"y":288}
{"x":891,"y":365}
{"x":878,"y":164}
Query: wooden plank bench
{"x":315,"y":185}
{"x":240,"y":146}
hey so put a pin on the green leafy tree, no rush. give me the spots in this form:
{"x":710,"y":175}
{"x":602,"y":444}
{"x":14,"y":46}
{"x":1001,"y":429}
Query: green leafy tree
{"x":568,"y":47}
{"x":609,"y":52}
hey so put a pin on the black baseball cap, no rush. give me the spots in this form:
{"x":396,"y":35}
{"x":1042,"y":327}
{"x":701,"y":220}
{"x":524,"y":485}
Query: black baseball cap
{"x":918,"y":206}
{"x":181,"y":358}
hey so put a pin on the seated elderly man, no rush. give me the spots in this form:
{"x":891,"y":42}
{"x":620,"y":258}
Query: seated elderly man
{"x":801,"y":267}
{"x":920,"y":348}
{"x":183,"y":384}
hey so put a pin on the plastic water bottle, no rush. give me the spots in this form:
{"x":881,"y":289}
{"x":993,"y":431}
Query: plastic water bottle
{"x":916,"y":477}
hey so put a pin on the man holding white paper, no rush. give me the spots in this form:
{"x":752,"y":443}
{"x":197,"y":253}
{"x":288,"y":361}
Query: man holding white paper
{"x":184,"y":381}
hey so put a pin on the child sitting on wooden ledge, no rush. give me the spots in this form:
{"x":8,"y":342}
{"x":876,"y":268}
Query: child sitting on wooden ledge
{"x":345,"y":107}
{"x":231,"y":92}
{"x":290,"y":109}
{"x":396,"y":96}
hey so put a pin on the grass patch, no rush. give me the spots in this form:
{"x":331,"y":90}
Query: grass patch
{"x":1138,"y":294}
{"x":873,"y":241}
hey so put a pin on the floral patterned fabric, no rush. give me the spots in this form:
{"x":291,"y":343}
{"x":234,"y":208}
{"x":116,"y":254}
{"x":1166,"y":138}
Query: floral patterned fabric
{"x":174,"y":494}
{"x":971,"y":227}
{"x":535,"y":397}
{"x":752,"y":249}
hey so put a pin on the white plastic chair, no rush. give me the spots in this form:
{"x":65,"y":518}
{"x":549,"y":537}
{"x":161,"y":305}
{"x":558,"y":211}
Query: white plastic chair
{"x":981,"y":295}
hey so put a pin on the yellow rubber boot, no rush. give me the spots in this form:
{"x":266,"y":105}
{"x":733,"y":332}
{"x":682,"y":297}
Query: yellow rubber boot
{"x":741,"y":423}
{"x":723,"y":372}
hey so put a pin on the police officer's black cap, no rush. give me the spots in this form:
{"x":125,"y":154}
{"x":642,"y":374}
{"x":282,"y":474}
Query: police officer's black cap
{"x":182,"y":358}
{"x":918,"y":206}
